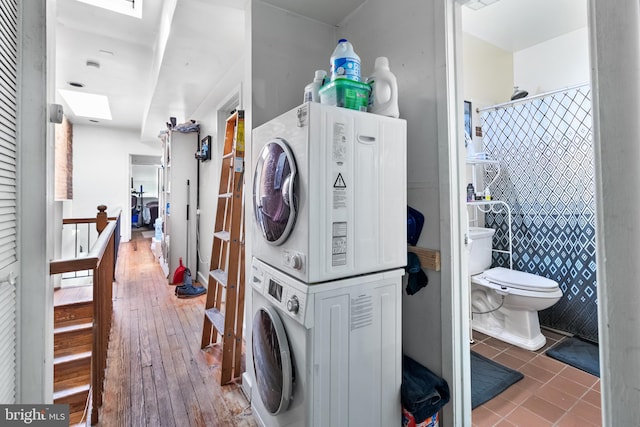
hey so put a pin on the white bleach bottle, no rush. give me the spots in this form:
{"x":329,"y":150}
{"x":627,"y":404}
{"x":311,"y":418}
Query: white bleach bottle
{"x":345,"y":63}
{"x":311,"y":91}
{"x":384,"y":89}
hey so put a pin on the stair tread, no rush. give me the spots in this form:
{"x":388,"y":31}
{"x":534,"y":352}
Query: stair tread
{"x":73,"y":328}
{"x":71,"y":391}
{"x":216,"y":317}
{"x":71,"y":357}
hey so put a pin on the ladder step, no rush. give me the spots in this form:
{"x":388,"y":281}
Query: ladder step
{"x":216,"y":317}
{"x":225,"y":195}
{"x":222,"y":235}
{"x":228,"y":155}
{"x":220,"y":276}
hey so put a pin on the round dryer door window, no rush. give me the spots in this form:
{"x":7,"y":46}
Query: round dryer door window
{"x":274,"y":188}
{"x":272,"y":361}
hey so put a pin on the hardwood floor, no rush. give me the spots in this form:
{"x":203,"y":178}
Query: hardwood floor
{"x":157,"y":375}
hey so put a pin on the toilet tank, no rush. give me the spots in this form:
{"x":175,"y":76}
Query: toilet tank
{"x":480,"y":249}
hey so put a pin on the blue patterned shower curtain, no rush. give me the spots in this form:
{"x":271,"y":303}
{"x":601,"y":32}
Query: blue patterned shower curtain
{"x":545,"y":148}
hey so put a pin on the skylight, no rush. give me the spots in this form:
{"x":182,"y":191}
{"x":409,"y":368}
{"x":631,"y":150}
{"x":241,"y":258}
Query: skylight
{"x":125,"y":7}
{"x":87,"y":104}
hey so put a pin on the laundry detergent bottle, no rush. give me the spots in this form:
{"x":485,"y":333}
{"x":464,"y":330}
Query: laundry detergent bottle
{"x":384,"y":89}
{"x":345,"y":63}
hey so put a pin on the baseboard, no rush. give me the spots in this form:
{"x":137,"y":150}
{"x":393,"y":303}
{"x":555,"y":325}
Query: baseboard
{"x":203,"y":280}
{"x":246,"y":386}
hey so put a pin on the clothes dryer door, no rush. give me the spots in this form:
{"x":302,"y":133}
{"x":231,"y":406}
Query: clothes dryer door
{"x":272,"y":360}
{"x":274,"y":191}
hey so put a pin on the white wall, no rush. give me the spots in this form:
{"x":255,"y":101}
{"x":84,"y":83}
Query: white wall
{"x":101,"y":170}
{"x":554,"y":64}
{"x":286,"y":51}
{"x":487,"y":72}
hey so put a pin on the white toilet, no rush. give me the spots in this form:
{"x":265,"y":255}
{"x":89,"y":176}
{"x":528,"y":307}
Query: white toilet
{"x":505,"y":303}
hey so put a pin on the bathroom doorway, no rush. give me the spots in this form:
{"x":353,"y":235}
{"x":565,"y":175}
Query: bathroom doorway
{"x":525,"y":62}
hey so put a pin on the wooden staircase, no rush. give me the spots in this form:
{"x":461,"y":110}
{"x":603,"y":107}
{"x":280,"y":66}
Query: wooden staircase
{"x":72,"y":343}
{"x":225,"y":296}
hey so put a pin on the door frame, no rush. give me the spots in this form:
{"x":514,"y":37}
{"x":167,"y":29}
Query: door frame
{"x":452,"y":203}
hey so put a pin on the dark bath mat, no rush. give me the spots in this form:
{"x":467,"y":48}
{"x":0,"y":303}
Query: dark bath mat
{"x":489,"y":379}
{"x":579,"y":353}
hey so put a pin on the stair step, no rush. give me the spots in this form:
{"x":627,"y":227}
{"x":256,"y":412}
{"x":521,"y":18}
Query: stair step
{"x":71,"y":371}
{"x":72,"y":358}
{"x":75,"y":397}
{"x":220,"y":276}
{"x":72,"y":339}
{"x":73,"y":313}
{"x":216,"y":317}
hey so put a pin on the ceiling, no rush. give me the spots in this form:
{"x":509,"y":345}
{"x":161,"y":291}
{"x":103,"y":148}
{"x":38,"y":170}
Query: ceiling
{"x":514,"y":25}
{"x":165,"y":64}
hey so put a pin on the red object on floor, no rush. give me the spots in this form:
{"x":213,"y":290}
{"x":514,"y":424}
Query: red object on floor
{"x":178,"y":275}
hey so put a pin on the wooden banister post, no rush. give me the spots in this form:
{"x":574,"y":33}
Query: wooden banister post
{"x":101,"y":218}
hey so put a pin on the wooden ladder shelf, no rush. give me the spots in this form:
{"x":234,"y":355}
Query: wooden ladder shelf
{"x":225,"y":297}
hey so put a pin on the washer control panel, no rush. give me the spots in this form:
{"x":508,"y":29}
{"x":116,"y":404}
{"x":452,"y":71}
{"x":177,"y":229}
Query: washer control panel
{"x":284,"y":296}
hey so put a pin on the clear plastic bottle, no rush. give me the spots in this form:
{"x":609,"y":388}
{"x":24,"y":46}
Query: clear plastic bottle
{"x":384,"y":89}
{"x":345,"y":63}
{"x":311,"y":91}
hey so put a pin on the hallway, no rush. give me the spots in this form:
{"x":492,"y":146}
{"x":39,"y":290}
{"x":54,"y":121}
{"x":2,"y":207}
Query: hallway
{"x":157,"y":375}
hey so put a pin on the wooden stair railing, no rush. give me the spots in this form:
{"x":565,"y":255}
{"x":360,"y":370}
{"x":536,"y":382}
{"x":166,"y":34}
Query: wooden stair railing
{"x":84,"y":328}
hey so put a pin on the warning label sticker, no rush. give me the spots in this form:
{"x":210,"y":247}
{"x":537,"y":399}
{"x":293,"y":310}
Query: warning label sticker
{"x":339,"y":244}
{"x":339,"y":192}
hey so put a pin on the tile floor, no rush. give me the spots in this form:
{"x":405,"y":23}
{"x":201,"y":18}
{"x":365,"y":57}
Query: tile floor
{"x":550,"y":394}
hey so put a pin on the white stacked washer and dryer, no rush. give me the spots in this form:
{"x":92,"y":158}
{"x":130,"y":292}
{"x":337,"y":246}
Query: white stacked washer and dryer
{"x":329,"y":250}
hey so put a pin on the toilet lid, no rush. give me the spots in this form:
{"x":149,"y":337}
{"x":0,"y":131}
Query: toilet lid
{"x":520,"y":280}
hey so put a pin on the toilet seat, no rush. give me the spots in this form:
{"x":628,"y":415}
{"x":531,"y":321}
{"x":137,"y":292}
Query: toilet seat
{"x":519,"y":279}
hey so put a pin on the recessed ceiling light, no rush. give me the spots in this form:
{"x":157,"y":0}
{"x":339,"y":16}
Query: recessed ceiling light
{"x":87,"y":104}
{"x":94,"y":121}
{"x":94,"y":64}
{"x":76,"y":84}
{"x":105,"y":52}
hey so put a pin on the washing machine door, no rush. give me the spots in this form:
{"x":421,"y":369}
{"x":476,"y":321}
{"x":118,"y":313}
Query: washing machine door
{"x":272,"y":360}
{"x":274,"y":191}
